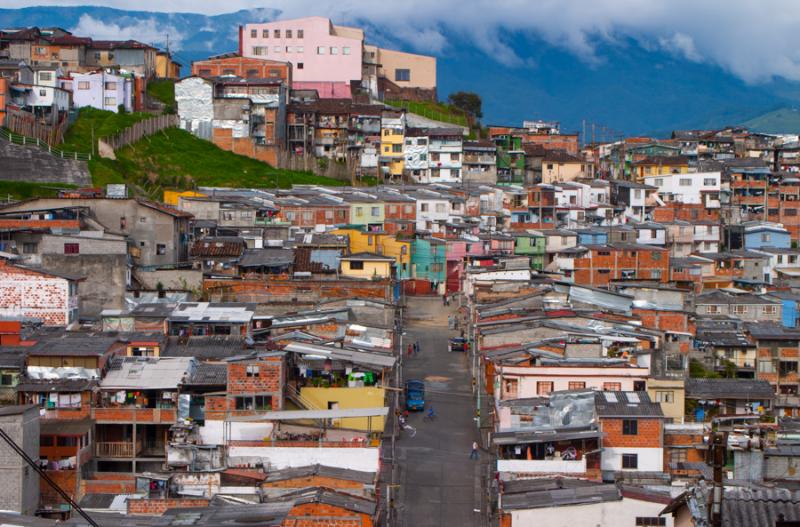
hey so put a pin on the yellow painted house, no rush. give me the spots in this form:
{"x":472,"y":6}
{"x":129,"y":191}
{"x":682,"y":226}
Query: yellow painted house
{"x":391,"y":156}
{"x":172,"y":197}
{"x":347,"y":398}
{"x":660,"y":165}
{"x":367,"y":266}
{"x":382,"y":243}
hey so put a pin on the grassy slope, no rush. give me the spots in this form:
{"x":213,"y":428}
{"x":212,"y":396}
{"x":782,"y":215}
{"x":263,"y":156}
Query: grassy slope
{"x":97,"y":123}
{"x":22,"y":190}
{"x":433,"y":110}
{"x":164,"y":91}
{"x":173,"y":159}
{"x":782,"y":120}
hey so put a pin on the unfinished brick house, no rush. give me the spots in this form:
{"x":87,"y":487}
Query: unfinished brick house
{"x":633,"y":429}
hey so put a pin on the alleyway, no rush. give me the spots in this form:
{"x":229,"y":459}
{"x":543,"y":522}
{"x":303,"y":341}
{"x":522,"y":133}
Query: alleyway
{"x":438,"y":483}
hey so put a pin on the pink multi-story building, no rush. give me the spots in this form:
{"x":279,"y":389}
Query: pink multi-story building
{"x":330,"y":58}
{"x":324,"y":56}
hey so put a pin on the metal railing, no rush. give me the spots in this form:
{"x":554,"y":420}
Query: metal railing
{"x":55,"y":152}
{"x":117,"y":448}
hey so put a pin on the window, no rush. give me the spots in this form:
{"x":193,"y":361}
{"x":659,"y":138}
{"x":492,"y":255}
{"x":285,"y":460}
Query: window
{"x":655,"y":274}
{"x":299,"y":49}
{"x":96,"y":55}
{"x":254,"y":402}
{"x":229,"y":71}
{"x":677,"y":455}
{"x":288,"y":33}
{"x":766,"y":366}
{"x":83,"y":85}
{"x":650,"y":521}
{"x":206,"y":71}
{"x":45,"y":76}
{"x":685,"y":182}
{"x":402,"y":74}
{"x":72,"y":248}
{"x":252,"y":371}
{"x":289,"y":49}
{"x":440,"y":208}
{"x":329,"y":214}
{"x":576,"y":385}
{"x":252,"y":74}
{"x":739,"y":310}
{"x":334,"y":50}
{"x":359,"y":211}
{"x":769,"y":310}
{"x":396,"y":149}
{"x":712,"y":310}
{"x":408,"y":209}
{"x":321,"y":50}
{"x":510,"y":387}
{"x":277,"y":33}
{"x":345,"y":50}
{"x":265,"y":33}
{"x":29,"y":248}
{"x":257,"y":50}
{"x":42,"y":93}
{"x":659,"y":181}
{"x":376,"y":211}
{"x":6,"y":379}
{"x":665,"y":396}
{"x":111,"y":86}
{"x":253,"y":33}
{"x":709,"y":182}
{"x":161,"y":249}
{"x":630,"y":461}
{"x":356,"y":265}
{"x":612,"y":387}
{"x":544,"y":387}
{"x":300,"y":65}
{"x":787,"y":367}
{"x":765,"y":237}
{"x":299,"y":33}
{"x":630,"y":427}
{"x":110,"y":101}
{"x":790,"y":212}
{"x":637,"y":194}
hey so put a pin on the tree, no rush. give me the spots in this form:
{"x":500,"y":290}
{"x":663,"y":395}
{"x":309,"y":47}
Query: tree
{"x":468,"y":101}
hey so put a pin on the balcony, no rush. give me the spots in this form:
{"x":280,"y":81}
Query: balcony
{"x":542,"y":466}
{"x":134,"y":415}
{"x":126,"y":449}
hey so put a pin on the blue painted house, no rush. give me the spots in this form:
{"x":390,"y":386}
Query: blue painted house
{"x":592,"y":236}
{"x":761,"y":235}
{"x":789,"y":302}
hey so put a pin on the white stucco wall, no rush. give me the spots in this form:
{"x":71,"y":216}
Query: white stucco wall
{"x":194,"y":98}
{"x":365,"y":459}
{"x":650,"y":459}
{"x":612,"y":513}
{"x":211,"y":433}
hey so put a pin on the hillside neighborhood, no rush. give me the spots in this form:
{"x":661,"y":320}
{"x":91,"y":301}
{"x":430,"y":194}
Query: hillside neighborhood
{"x":296,"y":285}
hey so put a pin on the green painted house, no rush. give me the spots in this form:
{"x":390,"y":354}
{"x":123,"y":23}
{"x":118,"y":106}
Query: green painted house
{"x":510,"y":160}
{"x":532,"y":246}
{"x":428,"y":261}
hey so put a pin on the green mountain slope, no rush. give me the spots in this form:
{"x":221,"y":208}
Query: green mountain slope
{"x":780,"y":121}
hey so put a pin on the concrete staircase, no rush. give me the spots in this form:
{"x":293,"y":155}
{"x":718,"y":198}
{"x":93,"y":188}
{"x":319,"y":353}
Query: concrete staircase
{"x":32,"y":164}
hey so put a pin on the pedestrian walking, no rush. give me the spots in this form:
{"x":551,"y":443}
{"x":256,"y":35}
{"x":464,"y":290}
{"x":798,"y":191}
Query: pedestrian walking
{"x":474,"y":453}
{"x":410,"y":350}
{"x":416,"y":348}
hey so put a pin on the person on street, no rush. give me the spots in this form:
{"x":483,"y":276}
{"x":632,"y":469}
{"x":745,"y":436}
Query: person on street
{"x":416,"y":348}
{"x":410,"y":350}
{"x":474,"y":453}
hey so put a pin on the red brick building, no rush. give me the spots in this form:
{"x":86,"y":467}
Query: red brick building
{"x":255,"y":385}
{"x":246,"y":68}
{"x":621,"y":261}
{"x":633,"y":432}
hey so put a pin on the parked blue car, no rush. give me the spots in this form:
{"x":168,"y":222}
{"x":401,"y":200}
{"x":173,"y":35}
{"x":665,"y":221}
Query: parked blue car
{"x":415,"y":395}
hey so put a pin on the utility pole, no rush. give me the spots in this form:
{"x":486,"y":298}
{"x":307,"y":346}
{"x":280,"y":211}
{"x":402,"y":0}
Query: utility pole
{"x":716,"y":458}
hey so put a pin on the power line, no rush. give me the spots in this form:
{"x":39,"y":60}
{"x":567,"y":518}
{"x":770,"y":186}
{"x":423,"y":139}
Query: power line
{"x":25,"y":457}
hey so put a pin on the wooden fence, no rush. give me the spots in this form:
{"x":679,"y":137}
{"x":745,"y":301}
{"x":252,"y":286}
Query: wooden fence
{"x":137,"y":131}
{"x":28,"y":125}
{"x":344,"y":171}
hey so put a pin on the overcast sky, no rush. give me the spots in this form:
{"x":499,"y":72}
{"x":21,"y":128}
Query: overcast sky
{"x":754,"y":39}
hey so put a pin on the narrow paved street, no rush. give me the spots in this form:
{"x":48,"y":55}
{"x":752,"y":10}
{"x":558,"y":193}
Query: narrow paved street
{"x":438,"y":483}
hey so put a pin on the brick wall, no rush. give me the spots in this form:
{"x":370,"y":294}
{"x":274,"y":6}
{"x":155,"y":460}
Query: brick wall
{"x":66,"y":479}
{"x":649,"y":434}
{"x":286,"y":290}
{"x":322,"y":515}
{"x":268,"y":380}
{"x":314,"y":481}
{"x":157,"y":507}
{"x":25,"y":293}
